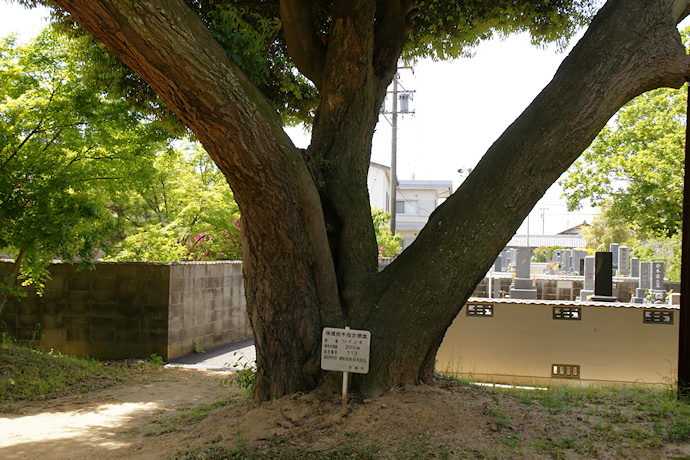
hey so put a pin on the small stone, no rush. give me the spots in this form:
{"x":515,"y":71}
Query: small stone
{"x":383,"y":406}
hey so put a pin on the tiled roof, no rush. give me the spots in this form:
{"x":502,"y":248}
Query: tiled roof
{"x":566,"y":241}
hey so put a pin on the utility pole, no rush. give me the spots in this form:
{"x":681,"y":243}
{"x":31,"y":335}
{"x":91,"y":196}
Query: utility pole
{"x":394,"y":142}
{"x":394,"y":154}
{"x":684,"y":313}
{"x":543,"y":219}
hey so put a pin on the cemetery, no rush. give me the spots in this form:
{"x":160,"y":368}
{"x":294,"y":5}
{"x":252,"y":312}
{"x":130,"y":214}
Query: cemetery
{"x":576,"y":319}
{"x":564,"y":323}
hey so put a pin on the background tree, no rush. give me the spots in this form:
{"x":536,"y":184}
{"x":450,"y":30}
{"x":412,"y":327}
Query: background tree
{"x":64,"y":147}
{"x":185,"y":211}
{"x":633,"y":172}
{"x":388,"y":244}
{"x":606,"y":229}
{"x":634,"y":168}
{"x":309,"y":246}
{"x":542,"y":253}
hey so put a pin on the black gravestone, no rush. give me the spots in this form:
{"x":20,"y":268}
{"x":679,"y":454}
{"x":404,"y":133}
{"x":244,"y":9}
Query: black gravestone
{"x":603,"y":277}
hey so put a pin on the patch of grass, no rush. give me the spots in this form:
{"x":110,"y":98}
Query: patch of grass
{"x":244,"y":453}
{"x":496,"y":414}
{"x":679,"y":431}
{"x":193,"y":415}
{"x":27,"y":374}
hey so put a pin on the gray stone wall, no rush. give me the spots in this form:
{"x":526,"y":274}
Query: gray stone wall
{"x":207,"y":306}
{"x":123,"y":310}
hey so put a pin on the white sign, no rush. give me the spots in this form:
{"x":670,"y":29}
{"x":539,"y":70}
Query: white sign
{"x":345,"y":350}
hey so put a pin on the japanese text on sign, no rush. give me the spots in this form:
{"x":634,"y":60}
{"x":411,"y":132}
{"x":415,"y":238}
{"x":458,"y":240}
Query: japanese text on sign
{"x":345,"y":350}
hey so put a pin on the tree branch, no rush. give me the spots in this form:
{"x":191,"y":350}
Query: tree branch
{"x":306,"y":46}
{"x":631,"y":47}
{"x":393,"y":24}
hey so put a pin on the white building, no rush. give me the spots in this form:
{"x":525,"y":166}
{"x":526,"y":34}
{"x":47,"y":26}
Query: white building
{"x":415,"y":200}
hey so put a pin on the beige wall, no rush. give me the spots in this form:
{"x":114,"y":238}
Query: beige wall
{"x":521,"y":342}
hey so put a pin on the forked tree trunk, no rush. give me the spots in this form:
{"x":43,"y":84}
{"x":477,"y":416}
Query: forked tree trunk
{"x":310,"y":265}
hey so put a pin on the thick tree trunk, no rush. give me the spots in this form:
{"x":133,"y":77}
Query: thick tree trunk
{"x":309,"y":265}
{"x":289,"y":276}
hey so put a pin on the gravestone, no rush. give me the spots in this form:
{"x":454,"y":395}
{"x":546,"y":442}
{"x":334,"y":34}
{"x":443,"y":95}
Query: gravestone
{"x":578,"y":256}
{"x":568,"y":261}
{"x":565,"y":260}
{"x":603,"y":277}
{"x":588,"y":270}
{"x":557,"y":258}
{"x":498,"y":265}
{"x":624,"y":261}
{"x":523,"y":286}
{"x":644,"y":284}
{"x":635,"y":267}
{"x":512,"y":260}
{"x":658,"y":291}
{"x":613,"y":247}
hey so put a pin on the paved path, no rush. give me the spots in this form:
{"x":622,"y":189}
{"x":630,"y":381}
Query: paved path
{"x":233,"y":356}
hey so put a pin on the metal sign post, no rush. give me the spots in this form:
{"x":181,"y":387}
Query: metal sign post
{"x":345,"y":350}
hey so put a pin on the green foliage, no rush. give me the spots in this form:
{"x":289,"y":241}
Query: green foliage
{"x":251,"y":33}
{"x":185,"y":211}
{"x":149,"y":245}
{"x":542,"y":253}
{"x":245,"y":374}
{"x":604,"y":230}
{"x":634,"y":167}
{"x":660,"y":249}
{"x":447,"y":30}
{"x":388,"y":244}
{"x":156,"y":359}
{"x":64,"y":147}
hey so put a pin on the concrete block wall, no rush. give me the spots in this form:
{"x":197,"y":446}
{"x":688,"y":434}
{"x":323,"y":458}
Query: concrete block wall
{"x":115,"y":311}
{"x":207,"y":306}
{"x":123,"y":310}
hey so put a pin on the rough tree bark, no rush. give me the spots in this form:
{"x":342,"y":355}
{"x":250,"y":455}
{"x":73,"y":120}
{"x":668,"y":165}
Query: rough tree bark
{"x":309,"y":247}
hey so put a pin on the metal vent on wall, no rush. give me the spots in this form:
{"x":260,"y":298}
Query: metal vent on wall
{"x":480,"y":310}
{"x":656,"y":316}
{"x":566,"y":313}
{"x":565,"y":371}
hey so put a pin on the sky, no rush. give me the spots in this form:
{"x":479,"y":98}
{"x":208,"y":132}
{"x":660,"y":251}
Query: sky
{"x":461,"y":108}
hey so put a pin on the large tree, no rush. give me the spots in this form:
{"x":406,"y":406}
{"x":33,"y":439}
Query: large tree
{"x":308,"y":239}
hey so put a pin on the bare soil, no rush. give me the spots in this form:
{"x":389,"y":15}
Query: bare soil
{"x":153,"y":416}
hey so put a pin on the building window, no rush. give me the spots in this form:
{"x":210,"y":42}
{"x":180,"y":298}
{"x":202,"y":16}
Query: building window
{"x":406,"y":207}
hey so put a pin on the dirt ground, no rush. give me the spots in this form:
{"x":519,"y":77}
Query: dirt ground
{"x":153,"y":417}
